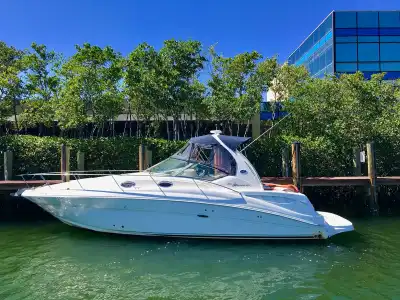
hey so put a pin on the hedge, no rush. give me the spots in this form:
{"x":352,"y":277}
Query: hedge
{"x":319,"y":157}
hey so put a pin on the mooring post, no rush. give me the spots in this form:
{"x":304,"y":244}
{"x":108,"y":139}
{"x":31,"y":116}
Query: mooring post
{"x":296,"y":169}
{"x":373,"y":201}
{"x":8,"y":165}
{"x":80,"y":160}
{"x":148,"y":157}
{"x":141,"y":157}
{"x":285,"y":162}
{"x":356,"y":161}
{"x":65,"y":155}
{"x":361,"y":191}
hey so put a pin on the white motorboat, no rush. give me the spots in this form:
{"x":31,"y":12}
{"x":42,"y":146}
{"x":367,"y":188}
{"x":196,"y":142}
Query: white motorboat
{"x":208,"y":189}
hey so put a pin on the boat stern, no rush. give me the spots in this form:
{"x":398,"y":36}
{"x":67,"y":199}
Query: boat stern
{"x":335,"y":224}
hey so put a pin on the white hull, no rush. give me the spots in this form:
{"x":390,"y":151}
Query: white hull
{"x":181,"y":219}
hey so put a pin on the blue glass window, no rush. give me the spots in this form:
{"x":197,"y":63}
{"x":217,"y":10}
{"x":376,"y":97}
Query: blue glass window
{"x":322,"y":63}
{"x":389,"y":19}
{"x":345,"y":20}
{"x":368,"y":31}
{"x":392,"y":75}
{"x":329,"y":69}
{"x":346,"y":32}
{"x":390,"y":38}
{"x":346,"y":52}
{"x":390,"y":31}
{"x":390,"y":66}
{"x":315,"y":66}
{"x":367,"y":19}
{"x":346,"y":67}
{"x":368,"y":74}
{"x":368,"y":39}
{"x":346,"y":39}
{"x":368,"y":52}
{"x":326,"y":26}
{"x":329,"y":55}
{"x":368,"y":67}
{"x":390,"y":52}
{"x":315,"y":36}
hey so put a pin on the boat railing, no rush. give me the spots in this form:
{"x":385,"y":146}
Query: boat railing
{"x":78,"y":175}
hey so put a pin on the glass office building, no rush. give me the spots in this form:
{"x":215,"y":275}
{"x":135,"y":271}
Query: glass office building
{"x":350,"y":41}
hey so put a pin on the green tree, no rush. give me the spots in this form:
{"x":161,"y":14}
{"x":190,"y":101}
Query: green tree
{"x":349,"y":108}
{"x":11,"y":87}
{"x":42,"y":84}
{"x":164,"y":84}
{"x":237,"y":85}
{"x":143,"y":83}
{"x":92,"y":87}
{"x":181,"y":64}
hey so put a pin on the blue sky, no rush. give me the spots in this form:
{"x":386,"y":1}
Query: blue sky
{"x":268,"y":26}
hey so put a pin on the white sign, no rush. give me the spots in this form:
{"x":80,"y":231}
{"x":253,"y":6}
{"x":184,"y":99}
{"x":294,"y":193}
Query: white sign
{"x":362,"y":156}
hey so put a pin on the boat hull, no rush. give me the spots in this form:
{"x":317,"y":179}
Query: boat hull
{"x":178,"y":219}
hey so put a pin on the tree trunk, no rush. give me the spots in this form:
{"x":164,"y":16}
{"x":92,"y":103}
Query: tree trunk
{"x":54,"y":128}
{"x":15,"y":115}
{"x":93,"y":130}
{"x":138,"y":132}
{"x":174,"y":128}
{"x":197,"y":128}
{"x":247,"y":127}
{"x":125,"y":126}
{"x":130,"y":124}
{"x":40,"y":129}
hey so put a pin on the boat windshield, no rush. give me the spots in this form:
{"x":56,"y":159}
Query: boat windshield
{"x":206,"y":162}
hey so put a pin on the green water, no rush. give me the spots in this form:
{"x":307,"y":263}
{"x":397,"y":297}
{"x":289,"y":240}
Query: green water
{"x":54,"y":261}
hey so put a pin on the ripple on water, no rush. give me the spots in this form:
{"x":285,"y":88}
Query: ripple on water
{"x":55,"y":261}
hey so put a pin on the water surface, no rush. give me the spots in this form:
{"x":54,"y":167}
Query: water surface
{"x":50,"y":260}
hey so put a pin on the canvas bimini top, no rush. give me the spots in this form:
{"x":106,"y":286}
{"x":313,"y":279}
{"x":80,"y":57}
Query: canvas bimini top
{"x":230,"y":141}
{"x":202,"y":157}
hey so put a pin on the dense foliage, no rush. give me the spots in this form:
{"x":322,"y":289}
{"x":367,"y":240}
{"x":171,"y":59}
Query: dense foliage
{"x":86,"y":92}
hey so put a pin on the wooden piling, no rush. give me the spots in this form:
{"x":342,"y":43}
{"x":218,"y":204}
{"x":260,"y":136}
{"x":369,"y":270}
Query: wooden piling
{"x":141,"y":157}
{"x":80,"y":160}
{"x":148,"y":157}
{"x":65,"y":155}
{"x":373,"y":201}
{"x":8,"y":165}
{"x":285,"y":162}
{"x":296,"y":168}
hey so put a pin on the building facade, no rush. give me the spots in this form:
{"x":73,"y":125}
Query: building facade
{"x":351,"y":41}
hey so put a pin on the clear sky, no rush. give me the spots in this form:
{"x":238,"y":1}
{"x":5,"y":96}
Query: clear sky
{"x":268,"y":26}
